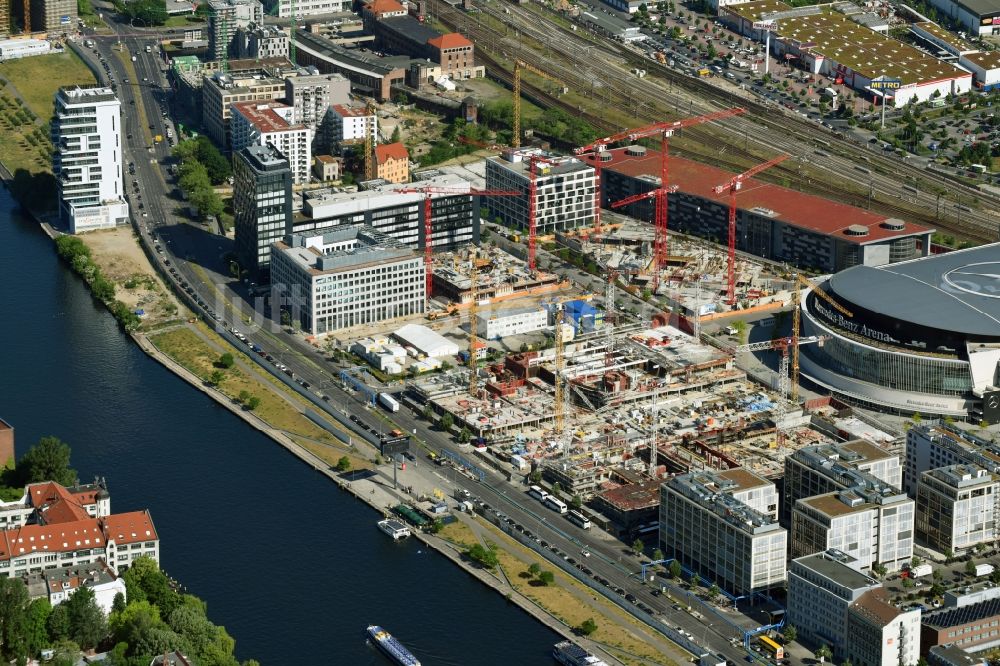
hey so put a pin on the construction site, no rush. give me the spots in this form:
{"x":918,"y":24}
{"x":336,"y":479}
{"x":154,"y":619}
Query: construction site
{"x":499,"y":276}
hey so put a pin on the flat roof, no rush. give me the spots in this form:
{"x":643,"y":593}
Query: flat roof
{"x":633,"y":496}
{"x":350,"y":58}
{"x":263,"y":116}
{"x":953,"y":617}
{"x":830,"y":504}
{"x":980,"y":7}
{"x":551,"y":165}
{"x":827,"y":566}
{"x":411,"y":28}
{"x":836,"y":36}
{"x":798,"y":209}
{"x":945,"y":36}
{"x":986,"y":59}
{"x":743,"y":479}
{"x":958,"y":291}
{"x":867,"y":450}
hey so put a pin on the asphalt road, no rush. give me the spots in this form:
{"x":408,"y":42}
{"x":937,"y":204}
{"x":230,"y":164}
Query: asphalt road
{"x":197,"y":256}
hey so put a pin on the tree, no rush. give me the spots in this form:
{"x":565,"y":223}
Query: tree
{"x":657,"y":554}
{"x":823,"y":653}
{"x":637,"y":547}
{"x":587,"y":627}
{"x":557,"y":489}
{"x":790,"y":633}
{"x":344,"y":464}
{"x":713,"y":592}
{"x":46,"y":461}
{"x":576,"y":502}
{"x":145,"y":581}
{"x":243,"y":396}
{"x":534,"y":569}
{"x":675,"y":569}
{"x":13,"y":617}
{"x":546,"y":578}
{"x":695,"y":580}
{"x":970,"y":567}
{"x":465,"y":435}
{"x":483,"y":556}
{"x":216,"y":377}
{"x":447,"y":421}
{"x":879,"y":570}
{"x":396,"y":135}
{"x":58,"y":623}
{"x":86,"y":619}
{"x":226,"y":361}
{"x":253,"y":403}
{"x":535,"y":476}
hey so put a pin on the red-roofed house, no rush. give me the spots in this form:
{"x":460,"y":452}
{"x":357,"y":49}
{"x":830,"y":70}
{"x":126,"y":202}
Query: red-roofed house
{"x":130,"y":535}
{"x":393,"y":162}
{"x":773,"y":222}
{"x":456,"y":55}
{"x":377,"y":10}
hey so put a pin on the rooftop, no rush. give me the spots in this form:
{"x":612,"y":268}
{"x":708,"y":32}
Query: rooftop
{"x":327,"y":202}
{"x":714,"y":493}
{"x":131,"y":527}
{"x":835,"y":566}
{"x":265,"y":117}
{"x":350,"y":59}
{"x":957,"y":44}
{"x":633,"y":496}
{"x":957,"y":290}
{"x":986,"y":59}
{"x":411,"y":28}
{"x":549,"y":165}
{"x":874,"y":606}
{"x":960,"y":476}
{"x":91,"y":95}
{"x":387,"y":151}
{"x":953,"y":617}
{"x":343,"y":248}
{"x":980,"y":7}
{"x":451,"y":40}
{"x":798,"y":209}
{"x":835,"y":504}
{"x":384,"y":6}
{"x":345,"y":111}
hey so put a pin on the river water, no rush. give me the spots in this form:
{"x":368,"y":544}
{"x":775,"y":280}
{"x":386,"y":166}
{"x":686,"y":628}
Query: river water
{"x":292,"y":567}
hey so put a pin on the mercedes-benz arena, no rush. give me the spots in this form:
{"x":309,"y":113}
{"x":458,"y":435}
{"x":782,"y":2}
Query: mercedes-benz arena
{"x":923,"y":335}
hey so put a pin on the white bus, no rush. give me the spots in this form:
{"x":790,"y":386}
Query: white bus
{"x":537,"y":493}
{"x":555,"y":504}
{"x":579,"y":519}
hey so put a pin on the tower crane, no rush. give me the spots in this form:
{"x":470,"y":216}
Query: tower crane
{"x":476,"y":265}
{"x":665,"y":130}
{"x":428,"y":191}
{"x":370,"y":140}
{"x":519,"y":67}
{"x":733,"y":186}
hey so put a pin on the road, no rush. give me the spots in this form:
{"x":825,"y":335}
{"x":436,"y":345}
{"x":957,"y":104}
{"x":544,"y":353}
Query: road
{"x":197,"y":258}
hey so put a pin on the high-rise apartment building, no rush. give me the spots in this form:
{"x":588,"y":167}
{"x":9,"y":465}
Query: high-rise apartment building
{"x":349,"y":123}
{"x":269,"y":124}
{"x":312,"y":95}
{"x":52,"y":14}
{"x":724,"y":527}
{"x":564,"y":190}
{"x":220,"y":91}
{"x":312,"y":7}
{"x":346,"y":277}
{"x":260,"y":42}
{"x":262,"y":202}
{"x":929,"y":447}
{"x":87,"y":160}
{"x":224,"y":18}
{"x":957,"y":507}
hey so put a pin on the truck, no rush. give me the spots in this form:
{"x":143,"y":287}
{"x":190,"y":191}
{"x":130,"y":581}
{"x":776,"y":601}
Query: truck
{"x":921,"y":570}
{"x":388,"y":402}
{"x":984,"y":569}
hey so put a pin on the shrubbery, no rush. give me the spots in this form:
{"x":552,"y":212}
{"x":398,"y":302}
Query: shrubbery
{"x":76,"y":253}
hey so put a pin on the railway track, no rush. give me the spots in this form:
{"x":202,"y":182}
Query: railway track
{"x":788,"y":133}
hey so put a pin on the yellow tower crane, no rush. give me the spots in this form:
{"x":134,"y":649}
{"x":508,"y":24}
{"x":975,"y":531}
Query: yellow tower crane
{"x":370,"y":127}
{"x":796,"y":296}
{"x":477,"y":266}
{"x":519,"y":67}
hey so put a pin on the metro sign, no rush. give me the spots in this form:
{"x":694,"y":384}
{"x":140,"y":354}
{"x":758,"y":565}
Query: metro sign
{"x":763,"y":25}
{"x":885,"y":84}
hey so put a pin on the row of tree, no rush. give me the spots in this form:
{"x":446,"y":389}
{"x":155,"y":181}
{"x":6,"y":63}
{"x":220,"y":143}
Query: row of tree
{"x":202,"y":166}
{"x":76,"y":253}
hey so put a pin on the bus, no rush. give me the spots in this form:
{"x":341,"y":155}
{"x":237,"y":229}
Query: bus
{"x":578,"y":519}
{"x":537,"y":493}
{"x":772,"y":648}
{"x":555,"y":504}
{"x":647,"y":529}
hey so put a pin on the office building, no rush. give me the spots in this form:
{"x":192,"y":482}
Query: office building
{"x":873,"y":528}
{"x":87,"y":159}
{"x":56,"y":15}
{"x":262,"y":203}
{"x":269,"y":124}
{"x":930,"y":447}
{"x":957,"y":508}
{"x":392,"y":163}
{"x":347,"y":277}
{"x":723,"y":526}
{"x":821,"y":589}
{"x":220,"y":91}
{"x":455,"y":217}
{"x":305,"y":8}
{"x":348,"y":123}
{"x":880,"y":634}
{"x":564,"y":190}
{"x":260,"y":42}
{"x":224,"y":18}
{"x":975,"y":627}
{"x":815,"y":470}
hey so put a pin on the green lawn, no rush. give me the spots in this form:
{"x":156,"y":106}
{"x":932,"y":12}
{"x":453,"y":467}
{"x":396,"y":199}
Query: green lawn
{"x":184,"y":22}
{"x":38,"y":78}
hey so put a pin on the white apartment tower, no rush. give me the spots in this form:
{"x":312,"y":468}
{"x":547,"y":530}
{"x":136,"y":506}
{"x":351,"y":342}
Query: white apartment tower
{"x":225,"y":17}
{"x":957,"y":507}
{"x":564,"y":190}
{"x":87,"y":162}
{"x":270,"y":124}
{"x":724,"y":526}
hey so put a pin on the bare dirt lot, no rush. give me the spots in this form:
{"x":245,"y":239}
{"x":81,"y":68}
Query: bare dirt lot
{"x":123,"y":262}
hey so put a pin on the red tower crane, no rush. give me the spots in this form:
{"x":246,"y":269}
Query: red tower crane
{"x":428,"y":224}
{"x":734,"y":185}
{"x":666,"y":130}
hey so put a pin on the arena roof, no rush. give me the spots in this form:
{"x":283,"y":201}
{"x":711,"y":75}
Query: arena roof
{"x":958,"y":291}
{"x":797,"y":209}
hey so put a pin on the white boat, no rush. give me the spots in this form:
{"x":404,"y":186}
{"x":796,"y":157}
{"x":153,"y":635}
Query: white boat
{"x":394,"y":528}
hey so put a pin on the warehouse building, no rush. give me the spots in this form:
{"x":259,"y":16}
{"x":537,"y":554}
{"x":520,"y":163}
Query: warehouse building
{"x":564,"y":190}
{"x":425,"y":341}
{"x":978,"y":17}
{"x":772,"y":222}
{"x":346,"y":277}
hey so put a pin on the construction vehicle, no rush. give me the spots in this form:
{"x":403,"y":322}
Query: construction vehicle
{"x":519,"y":67}
{"x":734,"y":185}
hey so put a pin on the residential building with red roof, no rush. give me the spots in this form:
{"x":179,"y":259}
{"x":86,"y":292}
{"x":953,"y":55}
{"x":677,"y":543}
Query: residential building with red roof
{"x":270,"y":123}
{"x":392,"y":162}
{"x":348,"y":123}
{"x":772,"y":222}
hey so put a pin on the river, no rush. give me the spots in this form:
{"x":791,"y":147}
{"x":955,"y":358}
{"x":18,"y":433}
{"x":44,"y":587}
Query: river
{"x":292,"y":567}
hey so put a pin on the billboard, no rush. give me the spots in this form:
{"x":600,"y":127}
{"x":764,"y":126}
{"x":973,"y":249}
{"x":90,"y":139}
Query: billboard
{"x":991,"y":407}
{"x":393,"y":446}
{"x":885,"y":84}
